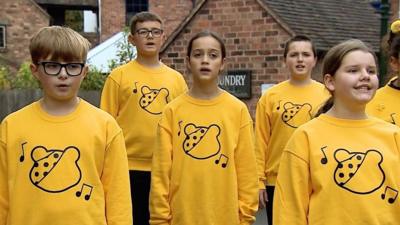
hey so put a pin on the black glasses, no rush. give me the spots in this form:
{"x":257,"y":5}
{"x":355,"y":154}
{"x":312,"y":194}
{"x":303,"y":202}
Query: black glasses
{"x":144,"y":33}
{"x":54,"y":68}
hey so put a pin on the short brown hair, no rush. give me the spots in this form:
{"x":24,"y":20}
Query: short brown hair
{"x":143,"y":17}
{"x":59,"y":43}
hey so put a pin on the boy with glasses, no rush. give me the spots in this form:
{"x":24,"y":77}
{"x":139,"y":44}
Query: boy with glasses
{"x":62,"y":160}
{"x":136,"y":94}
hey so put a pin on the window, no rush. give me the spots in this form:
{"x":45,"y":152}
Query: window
{"x":2,"y":36}
{"x":135,"y":6}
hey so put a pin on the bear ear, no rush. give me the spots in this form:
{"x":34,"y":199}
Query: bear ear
{"x":214,"y":129}
{"x":190,"y":128}
{"x":72,"y":152}
{"x":39,"y":152}
{"x":288,"y":105}
{"x":145,"y":90}
{"x":342,"y":154}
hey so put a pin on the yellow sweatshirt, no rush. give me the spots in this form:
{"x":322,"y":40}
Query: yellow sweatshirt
{"x":204,"y":169}
{"x":385,"y":103}
{"x":280,"y":110}
{"x":336,"y":171}
{"x":136,"y":96}
{"x":63,"y":170}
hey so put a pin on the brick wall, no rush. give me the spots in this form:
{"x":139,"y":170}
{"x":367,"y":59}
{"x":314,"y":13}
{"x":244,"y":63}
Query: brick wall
{"x":113,"y":18}
{"x":394,"y":9}
{"x":181,"y":8}
{"x":254,"y":41}
{"x":22,"y":18}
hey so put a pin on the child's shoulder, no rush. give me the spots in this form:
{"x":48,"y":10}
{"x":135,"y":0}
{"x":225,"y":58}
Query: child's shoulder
{"x":22,"y":113}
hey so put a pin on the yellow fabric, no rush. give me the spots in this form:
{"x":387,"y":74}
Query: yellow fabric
{"x":336,"y":171}
{"x":280,"y":110}
{"x":385,"y":104}
{"x":63,"y":170}
{"x":204,"y":169}
{"x":135,"y":96}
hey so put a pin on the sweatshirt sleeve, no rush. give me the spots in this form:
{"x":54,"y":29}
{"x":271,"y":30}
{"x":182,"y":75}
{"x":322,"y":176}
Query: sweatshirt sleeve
{"x":110,"y":96}
{"x":263,"y":132}
{"x":115,"y":180}
{"x":3,"y":177}
{"x":293,"y":186}
{"x":246,"y":169}
{"x":160,"y":211}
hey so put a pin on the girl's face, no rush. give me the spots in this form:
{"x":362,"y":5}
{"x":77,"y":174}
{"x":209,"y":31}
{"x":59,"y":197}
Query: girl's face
{"x":355,"y":81}
{"x":205,"y":61}
{"x":300,"y":60}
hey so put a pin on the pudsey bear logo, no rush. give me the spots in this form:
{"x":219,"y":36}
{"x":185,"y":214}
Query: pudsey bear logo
{"x":296,"y":114}
{"x":357,"y":172}
{"x":153,"y":100}
{"x":201,"y":142}
{"x":55,"y":170}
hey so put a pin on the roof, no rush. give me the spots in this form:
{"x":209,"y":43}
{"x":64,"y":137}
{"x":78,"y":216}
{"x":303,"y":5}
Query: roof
{"x":101,"y":55}
{"x":328,"y":22}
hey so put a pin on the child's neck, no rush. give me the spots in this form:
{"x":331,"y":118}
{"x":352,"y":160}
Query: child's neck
{"x":357,"y":113}
{"x":300,"y":82}
{"x":205,"y":92}
{"x":148,"y":61}
{"x":59,"y":108}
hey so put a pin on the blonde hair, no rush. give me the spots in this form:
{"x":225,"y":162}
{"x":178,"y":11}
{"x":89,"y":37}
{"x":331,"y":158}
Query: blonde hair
{"x":58,"y":43}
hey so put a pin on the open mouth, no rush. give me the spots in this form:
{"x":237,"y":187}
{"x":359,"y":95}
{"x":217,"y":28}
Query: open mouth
{"x":150,"y":44}
{"x":363,"y":87}
{"x":300,"y":67}
{"x":205,"y":70}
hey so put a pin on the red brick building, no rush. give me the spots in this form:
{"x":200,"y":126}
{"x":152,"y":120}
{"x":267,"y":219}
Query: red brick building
{"x":254,"y":30}
{"x":18,"y":21}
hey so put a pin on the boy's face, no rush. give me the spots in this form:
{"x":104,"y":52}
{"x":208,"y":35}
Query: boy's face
{"x":147,"y":38}
{"x":60,"y":80}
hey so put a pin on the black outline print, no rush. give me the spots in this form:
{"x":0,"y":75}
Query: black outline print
{"x":294,"y":110}
{"x":223,"y":164}
{"x":324,"y":160}
{"x":359,"y":188}
{"x":204,"y":130}
{"x":57,"y":154}
{"x":392,"y":117}
{"x":87,"y":196}
{"x":143,"y":101}
{"x":22,"y":157}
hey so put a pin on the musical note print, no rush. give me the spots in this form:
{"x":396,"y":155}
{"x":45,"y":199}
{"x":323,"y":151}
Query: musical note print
{"x":135,"y":89}
{"x":394,"y":194}
{"x":279,"y":105}
{"x":324,"y":159}
{"x":22,"y":157}
{"x":180,"y":127}
{"x":222,"y":158}
{"x":87,"y":196}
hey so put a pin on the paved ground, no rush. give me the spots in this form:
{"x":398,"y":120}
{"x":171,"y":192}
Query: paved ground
{"x":261,"y":218}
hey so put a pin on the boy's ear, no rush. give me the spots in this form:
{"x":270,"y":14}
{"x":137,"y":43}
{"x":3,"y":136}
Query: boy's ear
{"x":85,"y":70}
{"x":131,"y":39}
{"x":34,"y":70}
{"x":329,"y":82}
{"x":394,"y":64}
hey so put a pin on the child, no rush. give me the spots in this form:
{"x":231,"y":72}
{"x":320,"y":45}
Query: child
{"x":342,"y":167}
{"x":204,"y":169}
{"x":136,"y":94}
{"x":384,"y":104}
{"x":62,"y":160}
{"x":282,"y":109}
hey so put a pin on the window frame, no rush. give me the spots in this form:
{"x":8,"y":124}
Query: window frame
{"x":3,"y":31}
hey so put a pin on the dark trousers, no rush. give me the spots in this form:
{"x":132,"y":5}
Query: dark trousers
{"x":270,"y":193}
{"x":140,"y":190}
